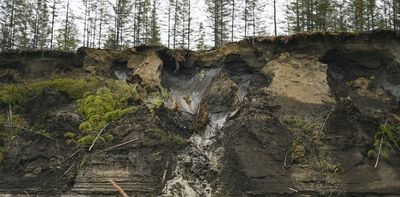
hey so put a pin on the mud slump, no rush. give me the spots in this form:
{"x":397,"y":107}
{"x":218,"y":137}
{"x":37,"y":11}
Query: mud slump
{"x":210,"y":96}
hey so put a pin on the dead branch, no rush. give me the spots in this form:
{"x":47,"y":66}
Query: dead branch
{"x":118,"y":145}
{"x":380,"y":147}
{"x":27,"y":193}
{"x":285,"y":161}
{"x":165,"y":172}
{"x":119,"y":189}
{"x":69,"y":169}
{"x":73,"y":154}
{"x":97,"y":137}
{"x":10,"y":114}
{"x":29,"y":130}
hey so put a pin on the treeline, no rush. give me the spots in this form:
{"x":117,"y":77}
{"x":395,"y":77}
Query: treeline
{"x":342,"y":15}
{"x":53,"y":24}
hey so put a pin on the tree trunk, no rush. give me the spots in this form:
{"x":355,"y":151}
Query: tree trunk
{"x":245,"y":18}
{"x":11,"y":31}
{"x":169,"y":24}
{"x":276,"y":33}
{"x":394,"y":4}
{"x":66,"y":26}
{"x":175,"y":21}
{"x":85,"y":24}
{"x":233,"y":20}
{"x":189,"y":25}
{"x":52,"y":24}
{"x":297,"y":17}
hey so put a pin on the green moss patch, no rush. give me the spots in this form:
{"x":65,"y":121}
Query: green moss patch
{"x":75,"y":88}
{"x":107,"y":104}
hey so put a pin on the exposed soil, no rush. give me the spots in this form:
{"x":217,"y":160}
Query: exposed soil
{"x":284,"y":116}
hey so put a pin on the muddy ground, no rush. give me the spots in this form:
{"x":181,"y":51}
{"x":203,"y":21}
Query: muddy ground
{"x":284,"y":116}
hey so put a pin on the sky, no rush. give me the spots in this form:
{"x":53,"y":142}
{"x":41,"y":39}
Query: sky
{"x":199,"y":14}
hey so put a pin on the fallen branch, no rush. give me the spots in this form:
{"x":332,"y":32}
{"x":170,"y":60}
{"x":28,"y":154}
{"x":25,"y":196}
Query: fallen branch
{"x":119,"y":189}
{"x":118,"y":145}
{"x":29,"y":130}
{"x":97,"y":137}
{"x":380,"y":147}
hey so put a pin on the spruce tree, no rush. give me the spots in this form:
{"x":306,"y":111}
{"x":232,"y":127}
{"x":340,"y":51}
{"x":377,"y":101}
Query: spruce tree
{"x":219,"y":11}
{"x":67,"y":39}
{"x":23,"y":14}
{"x":170,"y":5}
{"x":53,"y":20}
{"x":67,"y":34}
{"x":155,"y":30}
{"x":41,"y":29}
{"x":201,"y":39}
{"x":14,"y":15}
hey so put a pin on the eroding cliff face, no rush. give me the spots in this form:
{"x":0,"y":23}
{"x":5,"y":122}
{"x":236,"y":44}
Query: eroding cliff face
{"x":285,"y":116}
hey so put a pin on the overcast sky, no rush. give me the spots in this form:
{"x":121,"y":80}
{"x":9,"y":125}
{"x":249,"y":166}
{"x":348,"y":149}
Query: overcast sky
{"x":200,"y":14}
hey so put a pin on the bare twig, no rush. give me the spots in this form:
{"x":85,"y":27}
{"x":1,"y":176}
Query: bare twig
{"x":380,"y":148}
{"x":97,"y":137}
{"x":118,"y":145}
{"x":119,"y":189}
{"x":165,"y":172}
{"x":293,"y":190}
{"x":73,"y":154}
{"x":326,"y":120}
{"x":285,"y":160}
{"x":27,"y":193}
{"x":69,"y":169}
{"x":10,"y":114}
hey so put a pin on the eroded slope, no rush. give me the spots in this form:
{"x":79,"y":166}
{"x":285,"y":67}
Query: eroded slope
{"x":285,"y":116}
